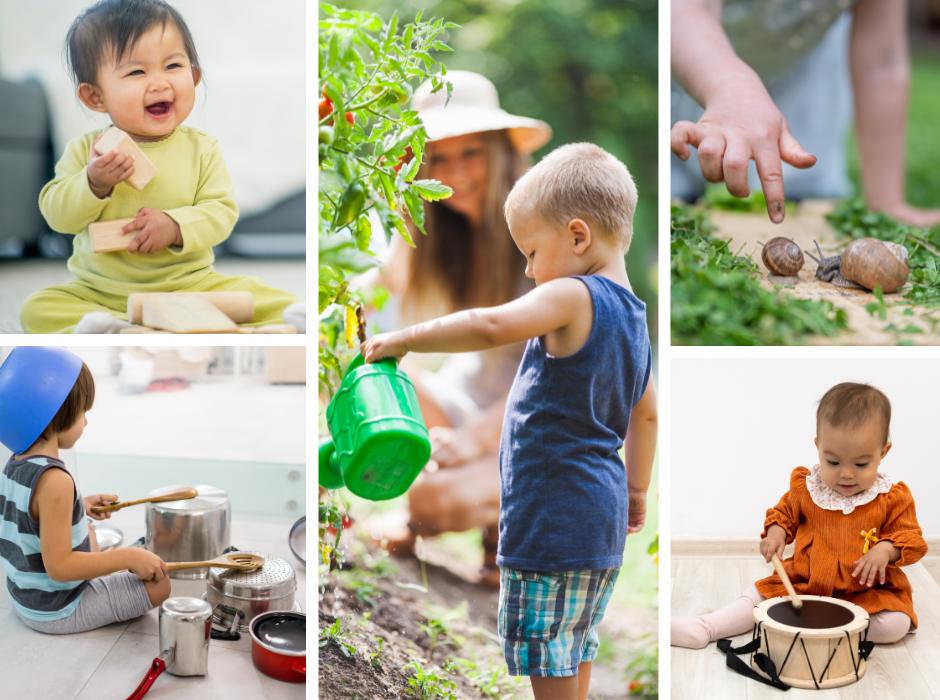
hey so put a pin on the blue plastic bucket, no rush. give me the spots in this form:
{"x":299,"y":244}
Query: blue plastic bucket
{"x":34,"y":383}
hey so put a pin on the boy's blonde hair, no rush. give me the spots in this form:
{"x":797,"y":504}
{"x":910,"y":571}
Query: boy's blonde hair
{"x":580,"y":181}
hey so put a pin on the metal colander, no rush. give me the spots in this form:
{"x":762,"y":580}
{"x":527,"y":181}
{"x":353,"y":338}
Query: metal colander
{"x":271,"y":587}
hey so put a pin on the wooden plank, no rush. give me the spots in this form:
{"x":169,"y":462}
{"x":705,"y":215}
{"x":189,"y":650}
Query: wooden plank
{"x":892,"y":675}
{"x":932,"y":564}
{"x":106,"y":237}
{"x":142,"y":329}
{"x":185,"y":314}
{"x":117,"y":140}
{"x":703,"y":586}
{"x":238,"y":306}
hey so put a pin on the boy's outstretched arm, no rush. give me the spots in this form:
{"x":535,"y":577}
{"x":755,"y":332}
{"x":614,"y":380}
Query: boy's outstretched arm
{"x":879,"y":59}
{"x":546,"y":308}
{"x":741,"y":122}
{"x":639,"y":449}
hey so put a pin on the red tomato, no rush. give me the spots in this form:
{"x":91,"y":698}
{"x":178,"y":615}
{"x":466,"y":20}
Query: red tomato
{"x":325,"y":107}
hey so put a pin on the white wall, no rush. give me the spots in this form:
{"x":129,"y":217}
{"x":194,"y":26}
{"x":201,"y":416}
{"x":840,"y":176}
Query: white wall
{"x":253,"y":56}
{"x":739,"y":427}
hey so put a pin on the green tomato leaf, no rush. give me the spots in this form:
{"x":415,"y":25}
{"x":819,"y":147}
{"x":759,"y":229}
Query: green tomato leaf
{"x":431,"y":190}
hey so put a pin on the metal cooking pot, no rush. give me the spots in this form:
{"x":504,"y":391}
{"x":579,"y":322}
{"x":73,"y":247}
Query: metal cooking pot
{"x":251,"y":593}
{"x":193,"y":529}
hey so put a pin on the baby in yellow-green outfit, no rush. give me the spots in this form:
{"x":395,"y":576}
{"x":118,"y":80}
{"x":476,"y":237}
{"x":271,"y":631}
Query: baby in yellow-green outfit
{"x":136,"y":61}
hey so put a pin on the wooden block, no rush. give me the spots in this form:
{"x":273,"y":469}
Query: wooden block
{"x":116,"y":139}
{"x":185,"y":313}
{"x":106,"y":237}
{"x":238,"y":306}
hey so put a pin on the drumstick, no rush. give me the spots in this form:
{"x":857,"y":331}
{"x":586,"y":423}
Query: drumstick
{"x":794,"y":598}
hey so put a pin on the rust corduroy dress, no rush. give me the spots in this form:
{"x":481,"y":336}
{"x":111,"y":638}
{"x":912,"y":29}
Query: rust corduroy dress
{"x":829,"y":542}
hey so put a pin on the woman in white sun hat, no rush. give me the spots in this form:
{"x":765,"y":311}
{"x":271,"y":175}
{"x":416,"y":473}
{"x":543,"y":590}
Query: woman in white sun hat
{"x":467,"y":259}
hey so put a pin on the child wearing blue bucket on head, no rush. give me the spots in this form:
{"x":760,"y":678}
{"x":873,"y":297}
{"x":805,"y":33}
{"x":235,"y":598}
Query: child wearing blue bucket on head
{"x":58,"y":580}
{"x":136,"y":61}
{"x":582,"y":392}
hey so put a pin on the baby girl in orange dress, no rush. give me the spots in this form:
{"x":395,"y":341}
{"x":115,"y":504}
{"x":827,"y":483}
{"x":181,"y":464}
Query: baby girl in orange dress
{"x":852,"y":528}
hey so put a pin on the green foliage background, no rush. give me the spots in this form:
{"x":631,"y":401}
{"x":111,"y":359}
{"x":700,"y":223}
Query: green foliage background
{"x":586,"y":67}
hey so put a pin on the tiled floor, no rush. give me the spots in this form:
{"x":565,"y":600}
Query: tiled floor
{"x":109,"y":663}
{"x":20,"y":278}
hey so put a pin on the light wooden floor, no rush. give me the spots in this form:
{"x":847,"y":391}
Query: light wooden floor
{"x":907,"y":670}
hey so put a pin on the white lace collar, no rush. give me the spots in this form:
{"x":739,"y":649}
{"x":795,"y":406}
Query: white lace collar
{"x":827,"y":499}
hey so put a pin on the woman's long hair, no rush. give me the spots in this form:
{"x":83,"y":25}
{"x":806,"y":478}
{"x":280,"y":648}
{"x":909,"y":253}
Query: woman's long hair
{"x":456,"y":267}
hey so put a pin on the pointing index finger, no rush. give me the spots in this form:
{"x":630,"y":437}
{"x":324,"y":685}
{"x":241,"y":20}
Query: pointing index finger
{"x":770,"y":171}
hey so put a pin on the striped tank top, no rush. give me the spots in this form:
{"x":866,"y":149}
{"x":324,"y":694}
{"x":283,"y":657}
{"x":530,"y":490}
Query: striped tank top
{"x":33,"y":594}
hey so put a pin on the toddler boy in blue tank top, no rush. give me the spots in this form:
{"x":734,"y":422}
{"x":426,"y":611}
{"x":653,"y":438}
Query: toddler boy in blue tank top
{"x":582,"y":392}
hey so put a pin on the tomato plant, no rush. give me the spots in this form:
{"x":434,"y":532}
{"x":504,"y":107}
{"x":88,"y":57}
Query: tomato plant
{"x":366,"y":70}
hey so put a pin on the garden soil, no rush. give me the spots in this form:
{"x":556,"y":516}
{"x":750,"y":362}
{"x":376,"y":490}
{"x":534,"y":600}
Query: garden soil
{"x":397,"y":613}
{"x":804,"y":226}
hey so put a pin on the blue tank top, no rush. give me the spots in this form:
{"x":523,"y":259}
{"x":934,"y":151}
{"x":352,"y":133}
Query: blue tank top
{"x":32,"y":592}
{"x":563,"y":499}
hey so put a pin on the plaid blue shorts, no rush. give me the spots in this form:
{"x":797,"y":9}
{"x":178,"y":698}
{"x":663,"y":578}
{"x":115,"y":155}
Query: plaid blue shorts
{"x":548,"y":620}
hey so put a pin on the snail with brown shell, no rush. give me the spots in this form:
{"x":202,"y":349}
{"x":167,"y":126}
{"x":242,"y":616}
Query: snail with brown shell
{"x":784,"y":259}
{"x":865,"y":264}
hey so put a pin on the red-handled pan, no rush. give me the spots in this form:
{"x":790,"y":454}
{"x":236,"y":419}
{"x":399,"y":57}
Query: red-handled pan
{"x":279,"y":645}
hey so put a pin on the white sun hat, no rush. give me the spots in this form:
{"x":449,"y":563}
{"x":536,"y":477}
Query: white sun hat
{"x":474,"y":107}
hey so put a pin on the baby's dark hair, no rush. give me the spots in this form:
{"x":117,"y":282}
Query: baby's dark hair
{"x":111,"y":28}
{"x":852,"y":405}
{"x":80,"y":398}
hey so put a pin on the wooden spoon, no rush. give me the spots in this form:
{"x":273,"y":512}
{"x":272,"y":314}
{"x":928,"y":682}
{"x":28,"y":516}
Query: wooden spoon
{"x":235,"y":560}
{"x":794,"y":598}
{"x":177,"y":496}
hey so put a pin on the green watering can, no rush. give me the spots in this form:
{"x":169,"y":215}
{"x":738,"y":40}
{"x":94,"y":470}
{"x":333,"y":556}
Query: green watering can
{"x":380,"y":443}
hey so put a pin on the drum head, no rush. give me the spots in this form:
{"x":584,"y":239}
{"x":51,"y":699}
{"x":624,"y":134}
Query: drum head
{"x":814,"y":615}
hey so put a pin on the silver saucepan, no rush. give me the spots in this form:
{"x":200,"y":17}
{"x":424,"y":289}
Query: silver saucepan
{"x":193,"y":529}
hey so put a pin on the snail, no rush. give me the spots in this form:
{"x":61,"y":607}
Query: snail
{"x":865,"y":264}
{"x":784,"y":259}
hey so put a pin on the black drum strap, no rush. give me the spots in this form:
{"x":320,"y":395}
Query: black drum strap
{"x":762,"y":661}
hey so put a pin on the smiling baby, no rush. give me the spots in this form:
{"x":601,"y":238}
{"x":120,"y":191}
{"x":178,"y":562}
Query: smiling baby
{"x":136,"y":61}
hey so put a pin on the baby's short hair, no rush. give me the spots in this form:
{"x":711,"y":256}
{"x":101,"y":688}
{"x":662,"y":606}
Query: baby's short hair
{"x":580,"y":181}
{"x":81,"y":398}
{"x":111,"y":28}
{"x":853,"y":405}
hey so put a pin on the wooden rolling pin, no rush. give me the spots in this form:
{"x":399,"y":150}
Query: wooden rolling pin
{"x":781,"y":572}
{"x":238,"y":306}
{"x":175,"y":496}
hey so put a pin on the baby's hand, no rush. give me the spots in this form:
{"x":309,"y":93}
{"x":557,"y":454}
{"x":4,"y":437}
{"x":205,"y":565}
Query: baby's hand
{"x":380,"y":346}
{"x":637,"y":511}
{"x":774,"y":543}
{"x":99,"y":499}
{"x":104,"y":172}
{"x":741,"y":123}
{"x":157,"y":229}
{"x":874,"y":561}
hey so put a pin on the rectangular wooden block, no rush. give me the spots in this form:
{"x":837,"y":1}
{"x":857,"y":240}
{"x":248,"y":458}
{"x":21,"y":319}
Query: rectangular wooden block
{"x":238,"y":306}
{"x":106,"y":237}
{"x":144,"y":170}
{"x":185,"y":313}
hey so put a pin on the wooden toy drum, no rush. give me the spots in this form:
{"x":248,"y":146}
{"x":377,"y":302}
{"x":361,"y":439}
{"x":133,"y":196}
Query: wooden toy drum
{"x":816,"y":647}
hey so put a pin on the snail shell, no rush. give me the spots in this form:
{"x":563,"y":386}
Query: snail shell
{"x":871,"y":262}
{"x":782,"y":257}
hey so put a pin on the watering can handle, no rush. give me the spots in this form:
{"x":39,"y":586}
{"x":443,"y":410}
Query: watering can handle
{"x":358,"y":361}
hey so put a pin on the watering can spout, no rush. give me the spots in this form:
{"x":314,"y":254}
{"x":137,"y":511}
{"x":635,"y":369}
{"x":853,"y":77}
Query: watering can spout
{"x":329,"y":475}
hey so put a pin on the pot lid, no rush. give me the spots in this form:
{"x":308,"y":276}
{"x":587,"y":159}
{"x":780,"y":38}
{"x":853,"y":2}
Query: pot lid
{"x":186,"y":609}
{"x":209,"y":498}
{"x":273,"y":580}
